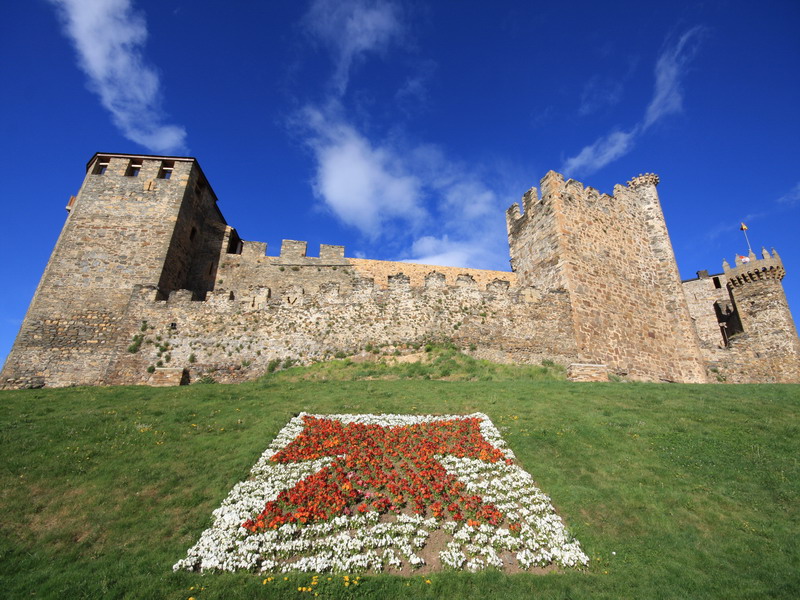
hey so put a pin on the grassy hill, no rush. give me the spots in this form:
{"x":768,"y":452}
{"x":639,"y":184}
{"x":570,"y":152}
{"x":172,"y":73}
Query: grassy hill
{"x":675,"y":491}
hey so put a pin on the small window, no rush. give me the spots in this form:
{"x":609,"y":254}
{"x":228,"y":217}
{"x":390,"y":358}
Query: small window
{"x":192,"y":234}
{"x":165,"y":172}
{"x":101,"y":166}
{"x":134,"y":167}
{"x":717,"y":284}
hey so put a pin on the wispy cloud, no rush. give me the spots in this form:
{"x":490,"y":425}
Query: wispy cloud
{"x":729,"y":227}
{"x":413,"y":94}
{"x":670,"y":68}
{"x":351,"y":29}
{"x":792,"y":197}
{"x":599,"y":94}
{"x":109,"y":36}
{"x":603,"y":151}
{"x":783,"y":203}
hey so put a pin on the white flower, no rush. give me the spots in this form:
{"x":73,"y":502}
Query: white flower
{"x":361,"y":541}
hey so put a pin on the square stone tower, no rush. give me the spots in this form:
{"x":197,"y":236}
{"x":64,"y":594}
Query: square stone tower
{"x":613,"y":258}
{"x":136,"y":221}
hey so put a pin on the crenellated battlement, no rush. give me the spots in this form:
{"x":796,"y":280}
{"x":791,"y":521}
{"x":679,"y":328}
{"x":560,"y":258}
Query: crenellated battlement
{"x":643,"y":180}
{"x":554,"y":187}
{"x":358,"y":290}
{"x":749,"y":269}
{"x":147,"y":272}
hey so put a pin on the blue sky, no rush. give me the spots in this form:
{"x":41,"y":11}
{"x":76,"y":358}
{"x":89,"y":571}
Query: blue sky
{"x":403,"y":130}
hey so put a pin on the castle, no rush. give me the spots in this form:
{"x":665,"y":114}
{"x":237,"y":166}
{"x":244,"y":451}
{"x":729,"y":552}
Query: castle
{"x":148,"y":284}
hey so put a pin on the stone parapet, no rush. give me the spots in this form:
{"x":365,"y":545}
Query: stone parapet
{"x":750,"y":269}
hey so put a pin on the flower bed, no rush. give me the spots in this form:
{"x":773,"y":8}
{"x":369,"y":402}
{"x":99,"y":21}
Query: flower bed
{"x":374,"y":492}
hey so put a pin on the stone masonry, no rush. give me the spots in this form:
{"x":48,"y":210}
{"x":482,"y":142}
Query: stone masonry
{"x":148,"y":284}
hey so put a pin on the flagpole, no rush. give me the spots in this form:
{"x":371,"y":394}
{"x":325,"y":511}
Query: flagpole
{"x":744,"y":231}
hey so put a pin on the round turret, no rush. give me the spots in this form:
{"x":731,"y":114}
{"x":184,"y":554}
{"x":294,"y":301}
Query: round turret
{"x":643,"y":180}
{"x":750,"y":269}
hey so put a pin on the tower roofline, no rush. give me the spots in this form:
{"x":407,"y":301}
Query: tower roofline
{"x":152,"y":156}
{"x":191,"y":159}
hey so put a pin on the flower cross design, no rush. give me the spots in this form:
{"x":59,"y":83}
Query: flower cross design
{"x":381,"y":468}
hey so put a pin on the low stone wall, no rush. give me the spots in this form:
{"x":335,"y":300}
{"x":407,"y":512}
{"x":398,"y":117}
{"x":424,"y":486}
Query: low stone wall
{"x":587,"y":372}
{"x":238,"y":338}
{"x":168,"y":377}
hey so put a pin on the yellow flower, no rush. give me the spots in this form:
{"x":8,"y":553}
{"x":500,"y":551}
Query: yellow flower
{"x":428,"y":581}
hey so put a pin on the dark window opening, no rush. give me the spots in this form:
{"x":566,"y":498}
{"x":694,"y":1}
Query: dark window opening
{"x":134,"y":167}
{"x":101,"y":166}
{"x":234,"y":244}
{"x":717,"y":284}
{"x":192,"y":234}
{"x":165,"y":172}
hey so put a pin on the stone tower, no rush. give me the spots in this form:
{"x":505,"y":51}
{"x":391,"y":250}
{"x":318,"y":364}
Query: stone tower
{"x":613,"y":257}
{"x":768,"y":344}
{"x":136,"y":221}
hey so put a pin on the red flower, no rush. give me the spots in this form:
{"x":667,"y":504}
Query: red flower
{"x":383,"y":463}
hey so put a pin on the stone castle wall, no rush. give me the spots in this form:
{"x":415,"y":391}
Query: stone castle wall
{"x":744,"y":323}
{"x":609,"y":255}
{"x":117,"y":234}
{"x":234,"y":336}
{"x":147,"y":275}
{"x":703,"y":294}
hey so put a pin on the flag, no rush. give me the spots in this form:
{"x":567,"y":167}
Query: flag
{"x":743,"y":227}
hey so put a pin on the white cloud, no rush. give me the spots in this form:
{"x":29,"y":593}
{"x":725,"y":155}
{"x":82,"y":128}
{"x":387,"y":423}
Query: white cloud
{"x":408,"y":194}
{"x":480,"y":251}
{"x":442,"y":211}
{"x":431,"y":250}
{"x":109,"y":36}
{"x":670,"y":68}
{"x":792,"y":197}
{"x":667,"y":99}
{"x":365,"y":185}
{"x":352,"y":28}
{"x":603,"y":151}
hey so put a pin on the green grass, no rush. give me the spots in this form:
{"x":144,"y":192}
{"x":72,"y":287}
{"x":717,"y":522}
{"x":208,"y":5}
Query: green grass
{"x":675,"y":491}
{"x":438,"y":361}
